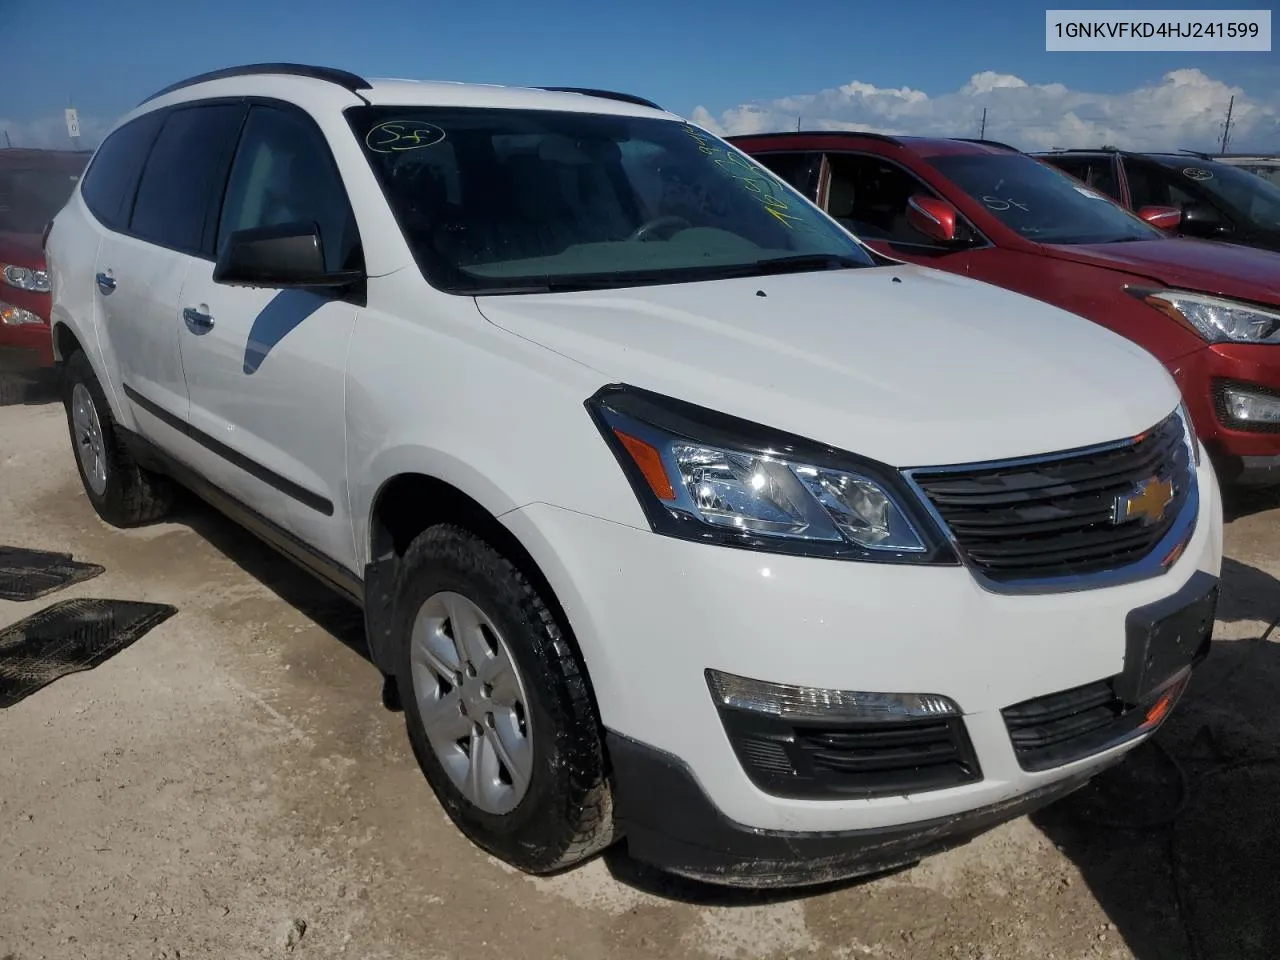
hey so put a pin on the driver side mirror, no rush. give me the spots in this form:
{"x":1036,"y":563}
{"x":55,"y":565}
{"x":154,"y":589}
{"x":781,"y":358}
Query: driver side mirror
{"x":1166,"y":218}
{"x":935,"y":218}
{"x":286,"y":256}
{"x":1202,"y":220}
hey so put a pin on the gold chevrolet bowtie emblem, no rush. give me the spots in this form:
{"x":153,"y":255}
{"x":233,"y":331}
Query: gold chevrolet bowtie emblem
{"x":1146,"y":502}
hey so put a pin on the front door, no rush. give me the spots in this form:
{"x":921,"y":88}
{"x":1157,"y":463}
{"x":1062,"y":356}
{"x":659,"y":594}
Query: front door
{"x":266,"y":368}
{"x":869,"y":195}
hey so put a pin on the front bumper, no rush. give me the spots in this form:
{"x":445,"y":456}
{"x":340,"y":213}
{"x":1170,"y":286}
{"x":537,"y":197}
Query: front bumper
{"x":670,"y":822}
{"x":652,"y":614}
{"x":27,"y":346}
{"x":1244,"y":453}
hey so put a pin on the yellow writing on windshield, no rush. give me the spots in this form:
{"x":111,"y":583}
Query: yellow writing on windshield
{"x":754,"y":180}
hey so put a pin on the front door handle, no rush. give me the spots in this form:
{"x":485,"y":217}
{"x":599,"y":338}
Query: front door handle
{"x":197,"y":320}
{"x":106,"y":283}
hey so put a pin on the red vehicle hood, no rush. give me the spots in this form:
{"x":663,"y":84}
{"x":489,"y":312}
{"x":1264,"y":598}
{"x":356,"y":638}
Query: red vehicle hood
{"x":22,"y":249}
{"x":1205,"y":266}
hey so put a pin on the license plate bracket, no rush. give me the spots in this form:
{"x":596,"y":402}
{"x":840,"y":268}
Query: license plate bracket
{"x":1164,"y":637}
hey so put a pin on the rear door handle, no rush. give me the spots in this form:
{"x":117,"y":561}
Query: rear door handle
{"x":197,"y":320}
{"x":106,"y":283}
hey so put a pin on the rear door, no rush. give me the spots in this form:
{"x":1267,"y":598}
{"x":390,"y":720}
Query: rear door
{"x":266,"y":368}
{"x":142,"y":265}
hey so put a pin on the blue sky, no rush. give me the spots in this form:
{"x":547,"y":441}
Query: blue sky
{"x":709,"y":54}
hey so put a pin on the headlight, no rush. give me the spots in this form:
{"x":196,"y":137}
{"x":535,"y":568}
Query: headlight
{"x":1214,"y":318}
{"x":704,"y":476}
{"x":24,"y":278}
{"x":1189,"y":432}
{"x":12,"y":316}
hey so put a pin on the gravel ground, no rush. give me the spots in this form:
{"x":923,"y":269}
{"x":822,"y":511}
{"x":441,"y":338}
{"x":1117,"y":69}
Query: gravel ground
{"x":232,"y":786}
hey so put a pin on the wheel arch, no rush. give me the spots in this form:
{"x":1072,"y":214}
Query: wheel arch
{"x":411,"y":501}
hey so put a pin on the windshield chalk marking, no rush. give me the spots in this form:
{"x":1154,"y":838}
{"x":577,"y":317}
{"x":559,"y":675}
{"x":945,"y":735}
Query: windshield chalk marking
{"x":399,"y":135}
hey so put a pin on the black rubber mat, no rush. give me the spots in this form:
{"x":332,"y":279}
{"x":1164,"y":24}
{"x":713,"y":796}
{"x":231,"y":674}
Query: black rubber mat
{"x":28,"y":574}
{"x":68,"y":637}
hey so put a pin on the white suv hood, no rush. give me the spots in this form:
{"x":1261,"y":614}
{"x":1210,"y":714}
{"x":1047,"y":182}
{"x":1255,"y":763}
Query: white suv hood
{"x":906,"y":365}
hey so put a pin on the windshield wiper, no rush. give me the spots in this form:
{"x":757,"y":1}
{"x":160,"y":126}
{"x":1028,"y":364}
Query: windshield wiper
{"x":803,"y":262}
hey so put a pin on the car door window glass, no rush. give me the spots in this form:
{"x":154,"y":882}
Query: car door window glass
{"x":1096,"y":172}
{"x":186,"y":166}
{"x":1153,"y":186}
{"x":113,"y":174}
{"x":798,"y":169}
{"x":869,"y":197}
{"x":283,"y":172}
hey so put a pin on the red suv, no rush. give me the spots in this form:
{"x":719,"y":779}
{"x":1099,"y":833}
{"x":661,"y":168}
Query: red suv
{"x":34,"y":185}
{"x":1209,"y":311}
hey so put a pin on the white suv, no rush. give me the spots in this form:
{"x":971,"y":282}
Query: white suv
{"x":674,"y":512}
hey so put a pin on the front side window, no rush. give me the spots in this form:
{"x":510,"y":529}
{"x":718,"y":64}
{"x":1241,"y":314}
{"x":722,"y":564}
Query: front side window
{"x":1040,"y":202}
{"x":178,"y":182}
{"x":283,"y":173}
{"x":870,"y":197}
{"x":520,"y":200}
{"x":1151,"y":185}
{"x":1255,"y":198}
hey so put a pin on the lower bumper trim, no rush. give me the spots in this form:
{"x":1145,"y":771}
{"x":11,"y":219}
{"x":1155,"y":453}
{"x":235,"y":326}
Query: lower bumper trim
{"x":670,"y":823}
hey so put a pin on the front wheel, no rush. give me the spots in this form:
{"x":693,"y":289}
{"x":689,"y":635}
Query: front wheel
{"x":497,"y":705}
{"x":122,"y":493}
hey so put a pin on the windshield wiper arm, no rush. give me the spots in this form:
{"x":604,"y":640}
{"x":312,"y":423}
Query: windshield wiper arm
{"x":803,"y":262}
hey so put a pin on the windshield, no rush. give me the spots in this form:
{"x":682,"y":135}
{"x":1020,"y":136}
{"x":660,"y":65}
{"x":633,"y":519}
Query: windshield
{"x":494,"y":200}
{"x":30,"y":198}
{"x":1253,"y":196}
{"x":1041,"y":202}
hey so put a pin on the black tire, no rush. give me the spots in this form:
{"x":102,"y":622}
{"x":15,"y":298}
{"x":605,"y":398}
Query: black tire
{"x":132,"y":495}
{"x":566,"y":814}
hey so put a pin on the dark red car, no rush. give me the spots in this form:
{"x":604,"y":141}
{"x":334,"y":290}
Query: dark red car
{"x":1209,"y":311}
{"x":34,"y":185}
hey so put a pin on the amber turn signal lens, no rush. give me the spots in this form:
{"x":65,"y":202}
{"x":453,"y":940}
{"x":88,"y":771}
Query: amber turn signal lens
{"x":649,"y":461}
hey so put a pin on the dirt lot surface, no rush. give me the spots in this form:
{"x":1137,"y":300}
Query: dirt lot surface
{"x":231,"y":785}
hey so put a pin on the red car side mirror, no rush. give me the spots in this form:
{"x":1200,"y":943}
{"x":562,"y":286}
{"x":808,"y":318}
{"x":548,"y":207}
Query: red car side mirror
{"x":1166,"y":218}
{"x":935,"y":218}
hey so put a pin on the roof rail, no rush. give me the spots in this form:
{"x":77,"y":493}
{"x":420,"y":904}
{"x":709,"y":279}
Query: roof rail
{"x":815,"y":133}
{"x":1198,"y":153}
{"x":604,"y":94}
{"x":348,"y":81}
{"x":988,"y":143}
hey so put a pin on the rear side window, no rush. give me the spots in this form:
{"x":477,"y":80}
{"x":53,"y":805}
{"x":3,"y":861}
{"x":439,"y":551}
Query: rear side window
{"x":186,"y":167}
{"x":110,"y":180}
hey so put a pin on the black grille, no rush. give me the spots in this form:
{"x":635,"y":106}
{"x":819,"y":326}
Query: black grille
{"x":851,"y":759}
{"x":1067,"y":726}
{"x":1054,"y":517}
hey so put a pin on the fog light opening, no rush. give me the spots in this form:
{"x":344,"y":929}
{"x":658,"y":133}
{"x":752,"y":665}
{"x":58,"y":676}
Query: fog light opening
{"x":1248,"y":407}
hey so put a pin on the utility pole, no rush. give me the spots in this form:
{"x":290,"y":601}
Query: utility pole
{"x":797,"y":124}
{"x":983,"y":134}
{"x":1226,"y":127}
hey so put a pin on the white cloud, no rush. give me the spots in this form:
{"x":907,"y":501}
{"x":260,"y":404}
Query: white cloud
{"x":1185,"y":109}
